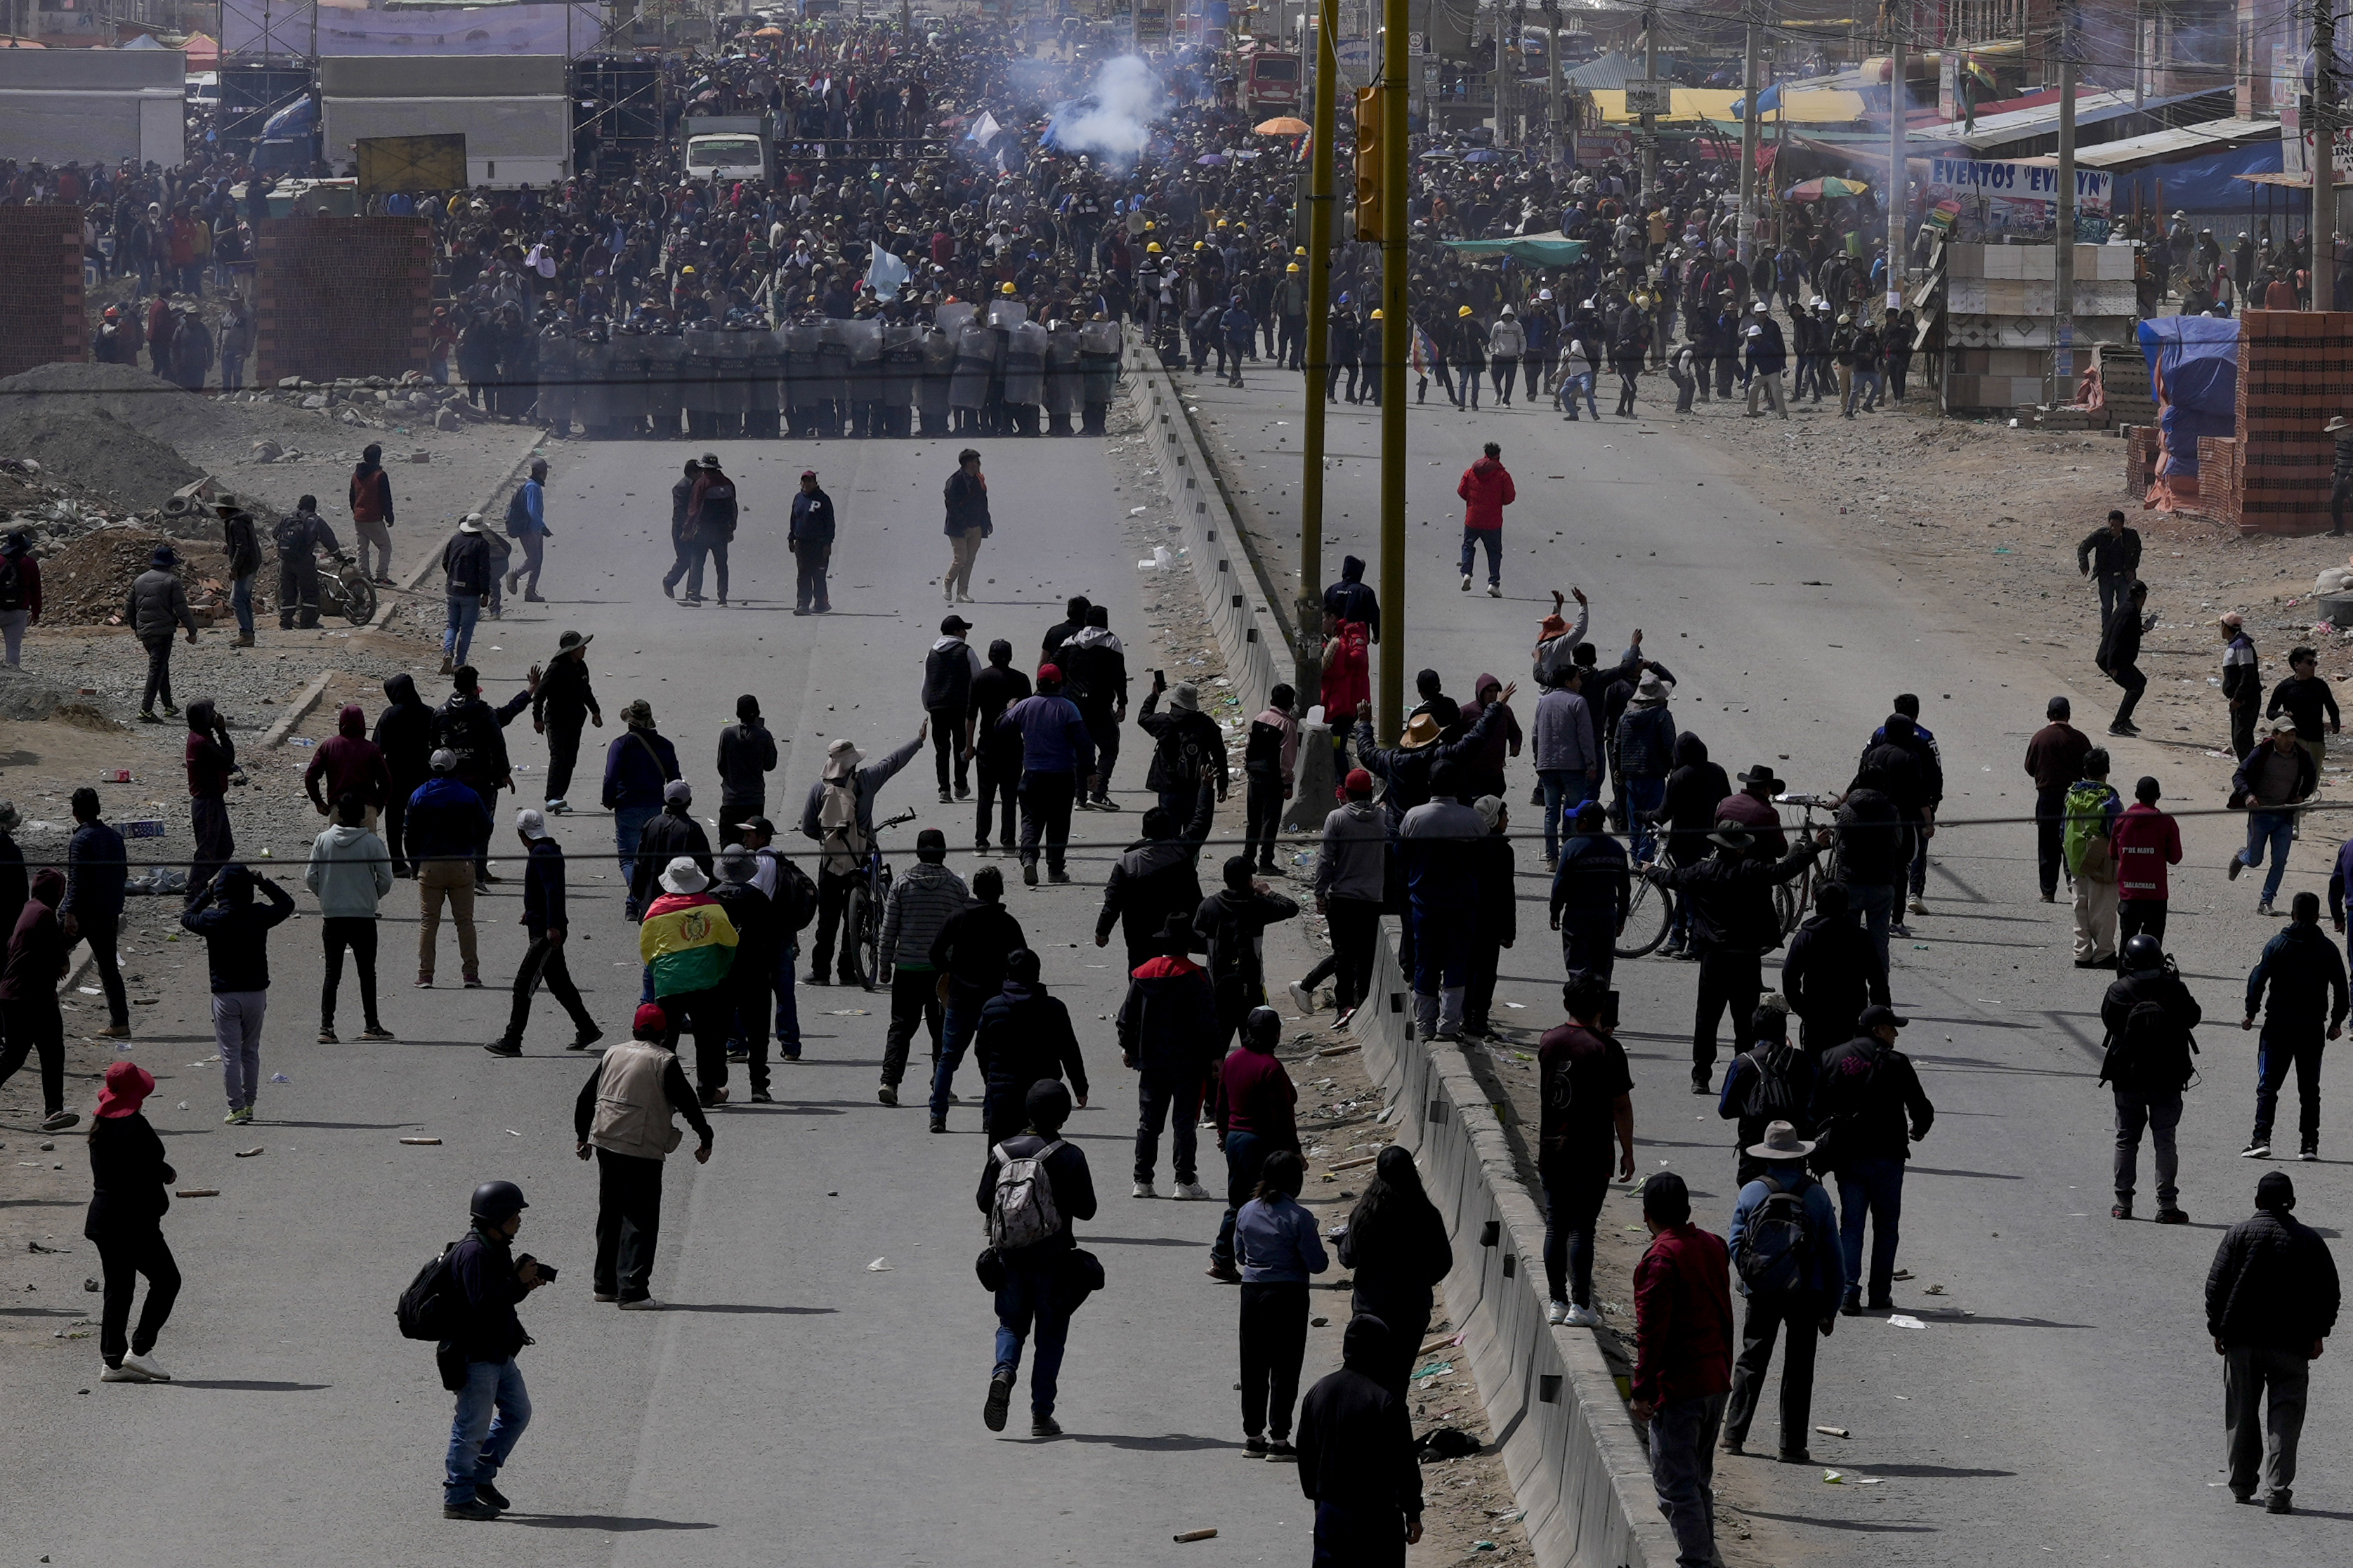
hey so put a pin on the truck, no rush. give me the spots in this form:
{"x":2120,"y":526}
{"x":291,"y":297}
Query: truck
{"x":514,"y":111}
{"x":60,"y":106}
{"x":726,"y":147}
{"x":1270,"y":81}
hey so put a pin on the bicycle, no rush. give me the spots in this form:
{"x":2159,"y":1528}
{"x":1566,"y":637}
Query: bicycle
{"x":1651,"y":912}
{"x":861,"y":917}
{"x":1792,"y":899}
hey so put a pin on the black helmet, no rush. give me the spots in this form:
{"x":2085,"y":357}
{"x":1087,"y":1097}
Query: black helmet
{"x":2143,"y":951}
{"x":497,"y":1202}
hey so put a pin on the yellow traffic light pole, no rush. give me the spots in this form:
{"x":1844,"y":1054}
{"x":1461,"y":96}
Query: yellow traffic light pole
{"x":1396,"y":341}
{"x":1308,"y":662}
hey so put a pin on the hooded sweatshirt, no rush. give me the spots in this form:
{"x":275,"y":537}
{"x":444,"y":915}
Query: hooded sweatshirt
{"x":1486,"y":490}
{"x":1356,"y":1437}
{"x":404,"y":733}
{"x":36,"y":945}
{"x":1355,"y":853}
{"x":350,"y":870}
{"x":236,"y":930}
{"x":1170,"y":1008}
{"x":350,"y":764}
{"x":209,"y":759}
{"x":1350,"y":600}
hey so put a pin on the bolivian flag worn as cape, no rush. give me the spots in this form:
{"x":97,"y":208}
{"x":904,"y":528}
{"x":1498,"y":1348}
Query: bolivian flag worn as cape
{"x":688,"y":941}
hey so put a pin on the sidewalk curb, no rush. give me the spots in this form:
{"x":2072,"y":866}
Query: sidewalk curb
{"x":1577,"y":1463}
{"x":387,"y":602}
{"x":299,"y":709}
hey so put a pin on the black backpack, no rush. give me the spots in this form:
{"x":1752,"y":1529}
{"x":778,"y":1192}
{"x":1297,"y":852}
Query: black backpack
{"x":429,"y":1308}
{"x":11,"y":584}
{"x":1776,"y":1248}
{"x":2151,"y":1052}
{"x":1771,"y":1096}
{"x":796,"y":898}
{"x":517,"y":514}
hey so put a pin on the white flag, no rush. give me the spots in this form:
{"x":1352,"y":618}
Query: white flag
{"x":886,"y":274}
{"x":984,"y":130}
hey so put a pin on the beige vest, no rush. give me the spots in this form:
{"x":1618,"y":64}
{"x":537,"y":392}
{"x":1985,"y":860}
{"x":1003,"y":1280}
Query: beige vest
{"x":633,"y":1114}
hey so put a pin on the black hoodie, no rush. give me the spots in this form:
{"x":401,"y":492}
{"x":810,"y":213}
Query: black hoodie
{"x":405,"y":731}
{"x":1355,"y":1440}
{"x":1350,"y":600}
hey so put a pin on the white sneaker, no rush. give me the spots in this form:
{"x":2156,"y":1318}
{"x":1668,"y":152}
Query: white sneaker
{"x":642,"y":1304}
{"x":1142,"y":1190}
{"x":1193,"y":1191}
{"x":148,"y":1364}
{"x":126,"y":1372}
{"x":1582,"y":1317}
{"x":1301,"y":998}
{"x":1466,"y":582}
{"x":1494,"y":591}
{"x":1919,"y":905}
{"x":1555,"y":1313}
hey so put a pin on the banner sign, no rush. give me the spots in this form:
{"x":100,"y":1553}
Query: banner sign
{"x":1997,"y":197}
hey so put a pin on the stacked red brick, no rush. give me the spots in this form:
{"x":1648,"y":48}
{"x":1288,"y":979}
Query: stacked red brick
{"x":2293,"y":368}
{"x":341,"y":297}
{"x":40,"y":287}
{"x":2141,"y":449}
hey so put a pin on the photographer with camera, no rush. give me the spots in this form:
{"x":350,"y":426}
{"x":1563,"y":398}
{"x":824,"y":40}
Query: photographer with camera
{"x":485,"y":1280}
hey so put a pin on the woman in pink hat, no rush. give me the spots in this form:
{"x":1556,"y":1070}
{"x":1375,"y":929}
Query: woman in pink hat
{"x":130,"y":1182}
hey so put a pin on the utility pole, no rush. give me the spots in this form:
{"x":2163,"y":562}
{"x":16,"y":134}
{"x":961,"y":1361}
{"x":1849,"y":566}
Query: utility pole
{"x":2062,"y":259}
{"x":1650,"y":121}
{"x":1307,"y":666}
{"x":1899,"y":176}
{"x":2324,"y":155}
{"x":1553,"y":128}
{"x":1396,"y":344}
{"x":1748,"y":123}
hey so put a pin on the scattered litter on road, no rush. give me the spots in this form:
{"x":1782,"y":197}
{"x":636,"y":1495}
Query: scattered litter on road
{"x":248,"y":1154}
{"x":846,"y":1012}
{"x":279,"y":1077}
{"x":878,"y":1267}
{"x":1934,"y":1290}
{"x":511,"y":1132}
{"x":421,"y":1142}
{"x":36,"y":1246}
{"x":92,"y":1286}
{"x":1904,"y":1320}
{"x":1834,"y":1431}
{"x":184,"y":1105}
{"x":1435,"y":1369}
{"x":196,"y":1192}
{"x":1834,"y":1478}
{"x":1194,"y":1535}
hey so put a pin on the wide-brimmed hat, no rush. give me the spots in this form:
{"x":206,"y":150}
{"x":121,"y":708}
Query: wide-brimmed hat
{"x":471,"y":523}
{"x":1732,"y":835}
{"x":1650,"y":692}
{"x":1760,"y":773}
{"x":571,"y":640}
{"x":737,"y":864}
{"x":842,"y":757}
{"x":1185,"y":697}
{"x":164,"y":556}
{"x":127,"y":1086}
{"x":683,"y":876}
{"x":2339,"y":423}
{"x":1781,"y":1142}
{"x":1421,"y":731}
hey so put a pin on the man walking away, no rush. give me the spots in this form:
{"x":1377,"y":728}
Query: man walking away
{"x":2148,"y":1014}
{"x":1588,"y":1097}
{"x":1033,"y":1186}
{"x":623,"y":1115}
{"x":1785,"y":1254}
{"x":747,"y":754}
{"x":34,"y":966}
{"x":1682,"y":1371}
{"x":2092,"y":808}
{"x":371,"y":503}
{"x":1254,"y":1116}
{"x":2110,"y":556}
{"x":640,"y":766}
{"x":2145,"y":841}
{"x":1350,"y":870}
{"x":236,"y":952}
{"x":1773,"y":1081}
{"x":1024,"y":1034}
{"x":838,"y":816}
{"x":759,"y":931}
{"x":1729,"y":900}
{"x":920,"y":906}
{"x":2307,"y":977}
{"x":1832,"y":971}
{"x":1591,"y":892}
{"x":2271,"y":1300}
{"x":1485,"y":490}
{"x":527,"y":526}
{"x":1093,"y":662}
{"x":2054,"y":760}
{"x":1356,"y":1461}
{"x":348,"y":763}
{"x":688,"y":945}
{"x":447,"y":825}
{"x":1058,"y":757}
{"x":559,"y":706}
{"x":96,"y":875}
{"x":545,"y":921}
{"x":2243,"y":679}
{"x":2119,"y":658}
{"x":477,"y":1360}
{"x":1231,"y":923}
{"x":949,"y":671}
{"x":1169,"y":1009}
{"x":995,"y":753}
{"x":1268,"y":759}
{"x":809,"y":536}
{"x":969,"y":954}
{"x":674,"y":833}
{"x":350,"y":871}
{"x":1869,"y":1109}
{"x":1189,"y":747}
{"x":2273,"y":779}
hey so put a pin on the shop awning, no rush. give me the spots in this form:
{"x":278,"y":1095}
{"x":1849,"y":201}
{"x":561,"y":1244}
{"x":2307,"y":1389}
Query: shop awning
{"x":1692,"y":105}
{"x":2175,"y":142}
{"x":1537,"y":249}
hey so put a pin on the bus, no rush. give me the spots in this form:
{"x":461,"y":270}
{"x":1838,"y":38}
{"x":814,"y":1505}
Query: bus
{"x":1270,"y":82}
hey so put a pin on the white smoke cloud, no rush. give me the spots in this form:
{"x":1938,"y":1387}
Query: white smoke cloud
{"x":1113,"y":123}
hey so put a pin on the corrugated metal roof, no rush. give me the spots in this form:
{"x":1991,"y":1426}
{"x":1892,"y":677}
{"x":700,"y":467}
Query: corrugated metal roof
{"x":2092,"y":107}
{"x":2175,"y":140}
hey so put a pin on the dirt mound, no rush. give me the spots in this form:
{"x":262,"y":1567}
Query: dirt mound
{"x":151,"y":406}
{"x":87,"y":581}
{"x":96,"y":451}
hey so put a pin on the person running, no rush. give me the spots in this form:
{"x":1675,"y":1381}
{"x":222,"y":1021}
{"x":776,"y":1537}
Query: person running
{"x":447,"y":825}
{"x":2273,"y":781}
{"x":236,"y":952}
{"x":1034,"y":1249}
{"x":1170,"y":1007}
{"x":1588,"y":1103}
{"x":624,"y":1118}
{"x":1357,"y":1458}
{"x":2305,"y":975}
{"x":1682,"y":1367}
{"x":36,"y":963}
{"x":2272,"y":1298}
{"x":350,"y":871}
{"x":1870,"y":1108}
{"x":2111,"y":556}
{"x":547,"y":925}
{"x":1277,"y":1249}
{"x":1350,"y":870}
{"x":809,"y":536}
{"x":560,"y":705}
{"x":477,"y":1360}
{"x":1786,"y":1260}
{"x":838,"y":816}
{"x":920,"y":906}
{"x":97,"y":874}
{"x":2307,"y":697}
{"x":1485,"y":490}
{"x":968,"y":523}
{"x":2119,"y":658}
{"x":130,"y":1191}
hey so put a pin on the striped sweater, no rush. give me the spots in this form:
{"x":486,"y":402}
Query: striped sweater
{"x":688,"y":941}
{"x":920,"y":904}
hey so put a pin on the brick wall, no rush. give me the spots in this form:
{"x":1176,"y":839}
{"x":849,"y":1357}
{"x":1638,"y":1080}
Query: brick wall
{"x":2291,"y":381}
{"x":341,"y":296}
{"x":40,"y":287}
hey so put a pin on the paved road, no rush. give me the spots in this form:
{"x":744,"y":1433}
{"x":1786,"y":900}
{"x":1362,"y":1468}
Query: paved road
{"x":2080,"y":1409}
{"x":793,"y":1406}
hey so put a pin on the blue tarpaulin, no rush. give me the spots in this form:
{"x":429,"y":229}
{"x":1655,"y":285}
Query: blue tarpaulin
{"x":2193,"y":374}
{"x":2203,"y":184}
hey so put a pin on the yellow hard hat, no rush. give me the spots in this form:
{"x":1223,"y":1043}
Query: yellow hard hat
{"x":1293,"y":267}
{"x":1008,"y":289}
{"x":1153,"y":249}
{"x":1222,"y":223}
{"x":1377,"y":315}
{"x":1149,"y":226}
{"x":1201,"y":245}
{"x":1301,"y":251}
{"x":1463,"y":312}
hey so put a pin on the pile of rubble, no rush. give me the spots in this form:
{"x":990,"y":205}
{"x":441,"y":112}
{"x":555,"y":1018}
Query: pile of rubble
{"x":86,"y":581}
{"x":372,"y":400}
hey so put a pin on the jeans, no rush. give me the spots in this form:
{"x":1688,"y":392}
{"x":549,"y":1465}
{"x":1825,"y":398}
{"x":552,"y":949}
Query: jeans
{"x":1682,"y":1469}
{"x":1730,"y":979}
{"x":2278,"y":1379}
{"x":35,"y":1027}
{"x":1031,"y":1301}
{"x":1643,"y":797}
{"x":1174,"y":1098}
{"x":1046,"y":802}
{"x":2279,"y":1047}
{"x":1261,"y":816}
{"x":1273,"y":1343}
{"x":125,"y":1257}
{"x":237,"y":1030}
{"x":103,"y":932}
{"x":1493,"y":539}
{"x":240,"y":599}
{"x":159,"y":671}
{"x":1770,"y":1311}
{"x":2277,"y":829}
{"x":2051,"y":836}
{"x":914,"y":999}
{"x":958,"y":1019}
{"x":457,"y":640}
{"x":1576,"y":383}
{"x":1564,"y":789}
{"x":2160,"y":1114}
{"x":1875,"y":1186}
{"x":628,"y":825}
{"x":1572,"y":1200}
{"x":356,"y":932}
{"x":2115,"y":588}
{"x":479,"y":1443}
{"x":542,"y":963}
{"x":716,"y":549}
{"x":1245,"y":1152}
{"x":1875,"y":901}
{"x":534,"y":552}
{"x":628,"y":1224}
{"x":1867,"y":388}
{"x":788,"y":1008}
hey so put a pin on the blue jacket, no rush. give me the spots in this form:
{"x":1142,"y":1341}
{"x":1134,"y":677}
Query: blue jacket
{"x":634,"y":777}
{"x":1646,"y":743}
{"x":1592,"y":885}
{"x":1054,"y":738}
{"x":542,"y":889}
{"x":95,"y":873}
{"x":1434,"y":848}
{"x":1826,"y":1264}
{"x":446,"y":818}
{"x":1275,"y":1243}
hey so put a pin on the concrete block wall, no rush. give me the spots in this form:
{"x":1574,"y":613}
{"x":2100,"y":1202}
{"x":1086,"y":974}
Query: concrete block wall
{"x":341,"y":297}
{"x":2272,"y":477}
{"x":42,"y":320}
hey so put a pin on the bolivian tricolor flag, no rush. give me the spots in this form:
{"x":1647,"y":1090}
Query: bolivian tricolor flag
{"x":688,"y":941}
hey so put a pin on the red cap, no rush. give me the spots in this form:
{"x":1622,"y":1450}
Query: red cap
{"x":1051,"y":672}
{"x":128,"y":1085}
{"x":1358,"y":781}
{"x":651,"y":1023}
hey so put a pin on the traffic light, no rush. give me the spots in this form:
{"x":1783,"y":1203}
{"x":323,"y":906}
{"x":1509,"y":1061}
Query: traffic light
{"x":1369,"y":163}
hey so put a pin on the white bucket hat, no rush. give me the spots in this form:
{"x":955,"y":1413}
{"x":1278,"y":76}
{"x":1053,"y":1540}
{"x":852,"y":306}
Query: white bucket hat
{"x":683,"y":876}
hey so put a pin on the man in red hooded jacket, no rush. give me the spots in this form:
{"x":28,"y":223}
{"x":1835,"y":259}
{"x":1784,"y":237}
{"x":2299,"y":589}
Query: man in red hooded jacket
{"x":1682,"y":1370}
{"x":2146,"y":841}
{"x":1486,"y":490}
{"x":350,"y":764}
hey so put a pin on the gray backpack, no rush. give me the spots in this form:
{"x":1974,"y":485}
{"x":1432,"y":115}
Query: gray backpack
{"x":1023,"y":1213}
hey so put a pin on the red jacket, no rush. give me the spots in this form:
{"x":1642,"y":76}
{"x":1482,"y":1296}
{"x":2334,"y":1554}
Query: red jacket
{"x":1255,"y":1095}
{"x":349,"y":763}
{"x":1486,"y":490}
{"x":1683,"y":1317}
{"x":2146,"y":841}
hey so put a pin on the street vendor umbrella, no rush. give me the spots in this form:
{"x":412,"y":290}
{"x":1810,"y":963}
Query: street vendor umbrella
{"x":1821,"y":189}
{"x":1210,"y":158}
{"x":1282,"y":125}
{"x":769,"y":33}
